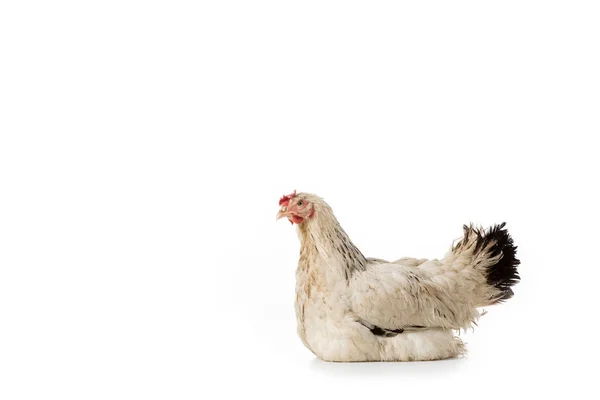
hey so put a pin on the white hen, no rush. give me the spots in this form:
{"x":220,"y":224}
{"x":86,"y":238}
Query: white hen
{"x":353,"y":308}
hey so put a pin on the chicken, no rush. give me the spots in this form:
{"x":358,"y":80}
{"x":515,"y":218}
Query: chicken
{"x":353,"y":308}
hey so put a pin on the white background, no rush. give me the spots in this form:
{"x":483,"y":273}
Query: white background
{"x":144,"y":146}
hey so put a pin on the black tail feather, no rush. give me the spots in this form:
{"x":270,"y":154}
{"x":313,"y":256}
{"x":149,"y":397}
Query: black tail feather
{"x":502,"y":275}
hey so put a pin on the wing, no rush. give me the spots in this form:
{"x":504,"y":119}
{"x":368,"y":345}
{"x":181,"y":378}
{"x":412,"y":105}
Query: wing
{"x":410,"y":262}
{"x":395,"y":297}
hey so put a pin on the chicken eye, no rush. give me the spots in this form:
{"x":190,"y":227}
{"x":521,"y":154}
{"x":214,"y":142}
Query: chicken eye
{"x":300,"y":203}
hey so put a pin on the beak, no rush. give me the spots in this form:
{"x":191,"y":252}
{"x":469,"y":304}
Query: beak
{"x":282,"y":213}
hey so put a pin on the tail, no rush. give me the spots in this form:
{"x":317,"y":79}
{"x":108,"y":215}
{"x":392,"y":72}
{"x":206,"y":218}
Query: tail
{"x":493,"y":256}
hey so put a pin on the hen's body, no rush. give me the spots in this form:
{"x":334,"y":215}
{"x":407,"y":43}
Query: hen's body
{"x":332,"y":331}
{"x":350,"y":308}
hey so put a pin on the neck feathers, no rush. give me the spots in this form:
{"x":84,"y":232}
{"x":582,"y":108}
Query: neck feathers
{"x":324,"y":235}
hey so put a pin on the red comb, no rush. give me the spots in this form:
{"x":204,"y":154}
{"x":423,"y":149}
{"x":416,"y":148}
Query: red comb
{"x":285,"y":200}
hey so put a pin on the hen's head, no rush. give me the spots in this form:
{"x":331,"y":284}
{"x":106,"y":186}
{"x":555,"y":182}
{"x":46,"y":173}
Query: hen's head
{"x":297,"y":207}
